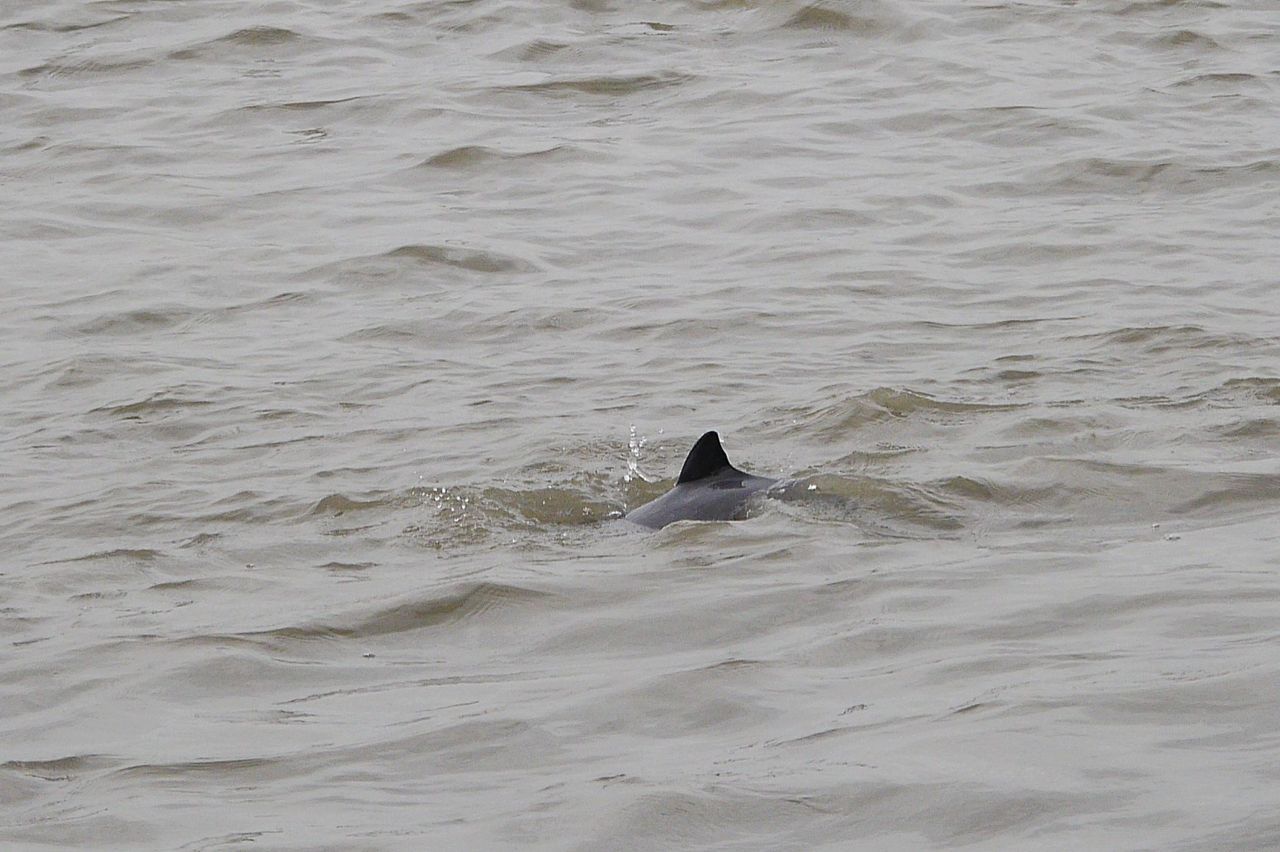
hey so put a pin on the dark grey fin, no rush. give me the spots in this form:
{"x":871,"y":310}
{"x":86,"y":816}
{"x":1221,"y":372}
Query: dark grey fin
{"x":706,"y":457}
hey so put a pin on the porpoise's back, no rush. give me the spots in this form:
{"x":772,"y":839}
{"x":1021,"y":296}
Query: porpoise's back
{"x":709,"y":489}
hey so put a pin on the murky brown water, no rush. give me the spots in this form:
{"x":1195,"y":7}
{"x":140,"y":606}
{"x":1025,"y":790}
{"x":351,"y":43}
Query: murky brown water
{"x":324,"y":328}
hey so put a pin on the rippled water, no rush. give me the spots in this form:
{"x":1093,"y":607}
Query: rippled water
{"x":334,"y":335}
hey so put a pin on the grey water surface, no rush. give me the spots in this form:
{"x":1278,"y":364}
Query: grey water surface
{"x":335,"y":335}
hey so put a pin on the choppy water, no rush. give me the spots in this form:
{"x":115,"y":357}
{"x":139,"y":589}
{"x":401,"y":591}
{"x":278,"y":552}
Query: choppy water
{"x":324,"y":328}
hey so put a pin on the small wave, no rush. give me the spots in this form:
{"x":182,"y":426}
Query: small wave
{"x":407,"y":614}
{"x":885,"y":403}
{"x":470,"y":156}
{"x":464,"y":156}
{"x":397,"y":18}
{"x":611,"y":85}
{"x":260,"y":35}
{"x":157,"y":403}
{"x":422,"y":333}
{"x":531,"y":51}
{"x":1186,"y":39}
{"x":183,"y":586}
{"x":823,"y":16}
{"x":1257,"y":428}
{"x":1264,"y":388}
{"x":35,"y":143}
{"x":1166,"y":338}
{"x":347,"y":567}
{"x":85,"y":68}
{"x":1018,"y":375}
{"x":905,"y":402}
{"x":890,"y":508}
{"x":340,"y":504}
{"x":1225,"y":491}
{"x":1021,"y":505}
{"x":1232,"y":80}
{"x":229,"y":312}
{"x":1067,"y":491}
{"x":99,"y":596}
{"x":1092,"y":175}
{"x":302,"y":106}
{"x":396,"y":262}
{"x":61,"y":27}
{"x":185,"y":769}
{"x":1145,"y":7}
{"x":252,"y":38}
{"x":141,"y":554}
{"x":134,"y":322}
{"x":471,"y":259}
{"x":59,"y":768}
{"x":1233,"y":393}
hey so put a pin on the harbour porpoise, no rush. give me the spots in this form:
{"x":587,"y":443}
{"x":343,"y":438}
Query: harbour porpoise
{"x":709,"y":489}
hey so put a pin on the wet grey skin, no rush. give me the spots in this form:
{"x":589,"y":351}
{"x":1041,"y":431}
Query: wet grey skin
{"x":709,"y":489}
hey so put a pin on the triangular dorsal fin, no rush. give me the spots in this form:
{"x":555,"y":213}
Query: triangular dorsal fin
{"x":706,"y":457}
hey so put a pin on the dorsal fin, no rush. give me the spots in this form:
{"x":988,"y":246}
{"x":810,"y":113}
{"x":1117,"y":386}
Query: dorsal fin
{"x":706,"y":457}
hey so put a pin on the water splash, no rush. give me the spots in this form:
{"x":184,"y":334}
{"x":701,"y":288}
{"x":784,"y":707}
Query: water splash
{"x":635,"y":446}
